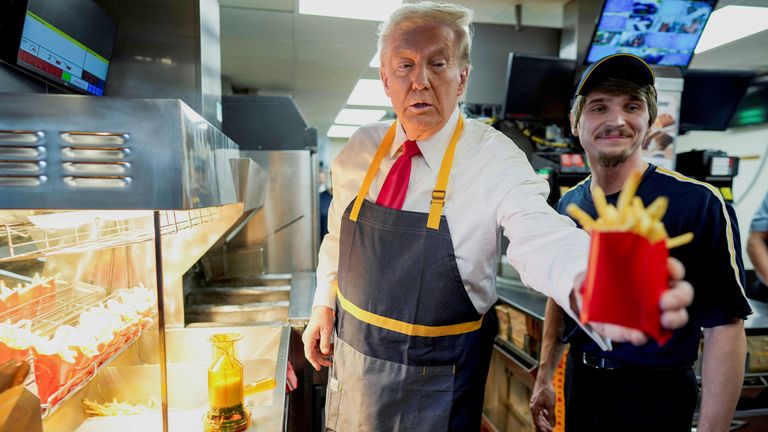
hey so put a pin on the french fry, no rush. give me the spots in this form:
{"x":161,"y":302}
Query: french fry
{"x":629,"y":190}
{"x":601,"y":205}
{"x":658,"y":207}
{"x":680,"y":240}
{"x":643,"y":225}
{"x":658,"y":232}
{"x":584,"y":219}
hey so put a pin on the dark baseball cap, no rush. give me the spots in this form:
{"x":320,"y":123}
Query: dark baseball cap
{"x":625,"y":66}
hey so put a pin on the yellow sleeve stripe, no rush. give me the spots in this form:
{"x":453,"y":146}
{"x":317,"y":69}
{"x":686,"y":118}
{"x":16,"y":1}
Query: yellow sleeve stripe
{"x":576,"y":185}
{"x":728,"y":227}
{"x":404,"y":327}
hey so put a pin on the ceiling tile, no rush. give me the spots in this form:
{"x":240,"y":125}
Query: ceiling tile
{"x":258,"y":50}
{"x":257,"y":24}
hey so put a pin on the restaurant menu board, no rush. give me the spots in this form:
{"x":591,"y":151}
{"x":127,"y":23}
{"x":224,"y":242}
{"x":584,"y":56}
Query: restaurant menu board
{"x":45,"y":48}
{"x":662,"y":32}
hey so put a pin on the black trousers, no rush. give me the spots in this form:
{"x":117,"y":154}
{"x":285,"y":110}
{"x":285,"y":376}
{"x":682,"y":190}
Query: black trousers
{"x":628,"y":400}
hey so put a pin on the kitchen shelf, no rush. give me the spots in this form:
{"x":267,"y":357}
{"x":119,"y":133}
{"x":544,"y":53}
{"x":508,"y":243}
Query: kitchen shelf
{"x":84,"y":231}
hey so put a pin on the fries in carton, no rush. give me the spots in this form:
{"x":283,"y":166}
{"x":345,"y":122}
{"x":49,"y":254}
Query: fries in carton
{"x":627,"y":270}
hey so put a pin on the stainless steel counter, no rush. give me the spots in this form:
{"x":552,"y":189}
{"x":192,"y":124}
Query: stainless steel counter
{"x":303,"y":286}
{"x":514,"y":293}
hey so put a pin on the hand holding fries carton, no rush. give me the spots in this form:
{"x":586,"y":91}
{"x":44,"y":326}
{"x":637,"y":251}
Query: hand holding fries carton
{"x":627,"y":270}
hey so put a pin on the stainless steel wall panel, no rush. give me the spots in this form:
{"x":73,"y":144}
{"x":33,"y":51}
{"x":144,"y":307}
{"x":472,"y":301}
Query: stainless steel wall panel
{"x":286,"y":225}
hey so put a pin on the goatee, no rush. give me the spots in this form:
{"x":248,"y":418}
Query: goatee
{"x":612,"y":160}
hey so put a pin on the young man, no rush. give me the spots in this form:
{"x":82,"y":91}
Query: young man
{"x":648,"y":387}
{"x":408,"y":266}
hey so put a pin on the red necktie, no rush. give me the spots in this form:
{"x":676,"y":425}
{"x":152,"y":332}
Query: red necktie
{"x":392,"y":193}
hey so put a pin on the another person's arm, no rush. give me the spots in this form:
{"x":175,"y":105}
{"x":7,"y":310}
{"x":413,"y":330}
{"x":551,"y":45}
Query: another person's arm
{"x":543,"y":397}
{"x":722,"y":374}
{"x":757,"y":248}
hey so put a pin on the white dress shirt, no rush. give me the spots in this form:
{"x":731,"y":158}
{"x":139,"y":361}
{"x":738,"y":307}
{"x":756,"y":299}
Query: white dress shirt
{"x":492,"y":191}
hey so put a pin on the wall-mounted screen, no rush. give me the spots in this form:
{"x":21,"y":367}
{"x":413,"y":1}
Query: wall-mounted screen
{"x":662,"y":32}
{"x":753,"y":108}
{"x":67,"y":42}
{"x":539,"y":88}
{"x":710,"y":97}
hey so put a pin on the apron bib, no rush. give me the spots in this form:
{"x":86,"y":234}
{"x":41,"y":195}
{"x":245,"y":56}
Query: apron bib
{"x":411,"y":352}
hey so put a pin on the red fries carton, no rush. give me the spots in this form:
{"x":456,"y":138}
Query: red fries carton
{"x":624,"y":282}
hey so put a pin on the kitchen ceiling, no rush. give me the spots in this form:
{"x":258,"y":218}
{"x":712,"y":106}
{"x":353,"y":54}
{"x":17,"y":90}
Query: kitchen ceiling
{"x":267,"y":47}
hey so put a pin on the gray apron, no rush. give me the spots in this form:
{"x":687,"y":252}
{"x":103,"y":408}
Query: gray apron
{"x":411,"y":352}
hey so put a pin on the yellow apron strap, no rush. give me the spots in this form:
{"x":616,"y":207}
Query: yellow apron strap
{"x":438,"y":194}
{"x":386,"y":143}
{"x":404,"y":327}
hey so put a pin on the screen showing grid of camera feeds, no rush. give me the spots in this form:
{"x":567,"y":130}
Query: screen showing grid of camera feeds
{"x":662,"y":32}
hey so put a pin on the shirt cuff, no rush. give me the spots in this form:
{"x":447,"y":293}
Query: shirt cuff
{"x":563,"y":298}
{"x":325,"y":295}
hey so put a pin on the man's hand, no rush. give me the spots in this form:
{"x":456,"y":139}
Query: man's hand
{"x":672,"y":303}
{"x":543,"y":405}
{"x":317,"y":337}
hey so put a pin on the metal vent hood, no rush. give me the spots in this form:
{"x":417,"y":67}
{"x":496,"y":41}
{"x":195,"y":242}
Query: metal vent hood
{"x":81,"y":152}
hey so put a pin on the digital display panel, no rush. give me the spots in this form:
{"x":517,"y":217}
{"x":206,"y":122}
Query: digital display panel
{"x":69,"y":42}
{"x":710,"y":98}
{"x":539,"y":87}
{"x":662,"y":32}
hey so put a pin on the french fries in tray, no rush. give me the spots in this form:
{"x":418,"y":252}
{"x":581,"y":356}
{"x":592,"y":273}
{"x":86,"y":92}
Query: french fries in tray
{"x":627,"y":269}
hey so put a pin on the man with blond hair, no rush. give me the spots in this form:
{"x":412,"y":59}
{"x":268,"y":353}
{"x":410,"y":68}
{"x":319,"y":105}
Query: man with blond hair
{"x":407,"y":272}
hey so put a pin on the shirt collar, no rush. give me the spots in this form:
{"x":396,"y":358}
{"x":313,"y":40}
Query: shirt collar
{"x":433,"y":148}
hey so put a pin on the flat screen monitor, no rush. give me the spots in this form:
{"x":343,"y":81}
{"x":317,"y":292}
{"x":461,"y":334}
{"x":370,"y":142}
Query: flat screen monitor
{"x":662,"y":32}
{"x":66,"y":42}
{"x":753,"y":108}
{"x":539,"y":88}
{"x":711,"y":97}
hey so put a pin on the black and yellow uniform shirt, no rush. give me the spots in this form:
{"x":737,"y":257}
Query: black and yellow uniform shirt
{"x":713,"y":265}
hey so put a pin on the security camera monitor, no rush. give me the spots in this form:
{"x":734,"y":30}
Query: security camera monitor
{"x":661,"y":32}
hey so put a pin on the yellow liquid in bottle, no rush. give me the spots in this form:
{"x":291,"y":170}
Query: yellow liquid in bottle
{"x":225,"y":376}
{"x":225,"y":390}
